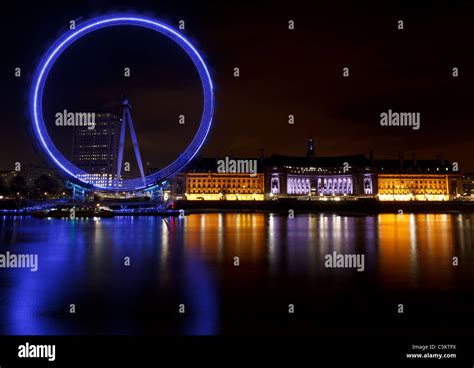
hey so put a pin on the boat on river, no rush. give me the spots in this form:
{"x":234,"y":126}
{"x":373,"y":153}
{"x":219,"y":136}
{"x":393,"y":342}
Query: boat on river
{"x":74,"y":212}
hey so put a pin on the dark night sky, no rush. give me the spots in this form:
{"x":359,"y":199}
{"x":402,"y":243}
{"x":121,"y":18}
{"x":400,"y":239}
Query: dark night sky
{"x":282,"y":72}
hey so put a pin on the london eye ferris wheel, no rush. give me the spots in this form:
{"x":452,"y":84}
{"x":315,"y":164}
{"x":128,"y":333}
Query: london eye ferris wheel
{"x":77,"y":174}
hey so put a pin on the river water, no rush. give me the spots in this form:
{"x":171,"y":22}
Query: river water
{"x":137,"y":275}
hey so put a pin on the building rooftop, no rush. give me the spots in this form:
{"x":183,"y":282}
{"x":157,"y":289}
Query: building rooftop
{"x":329,"y":161}
{"x":413,"y":166}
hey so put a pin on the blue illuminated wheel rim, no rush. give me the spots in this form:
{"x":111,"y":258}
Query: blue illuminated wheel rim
{"x":53,"y":53}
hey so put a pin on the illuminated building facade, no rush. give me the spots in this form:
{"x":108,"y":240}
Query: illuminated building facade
{"x":318,"y":177}
{"x":328,"y":178}
{"x":202,"y":181}
{"x":468,"y":185}
{"x":359,"y":176}
{"x":95,"y":150}
{"x":422,"y":180}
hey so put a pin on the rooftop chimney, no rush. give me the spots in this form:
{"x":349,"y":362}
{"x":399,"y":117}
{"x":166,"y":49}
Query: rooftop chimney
{"x":371,"y":156}
{"x":400,"y":157}
{"x":441,"y":158}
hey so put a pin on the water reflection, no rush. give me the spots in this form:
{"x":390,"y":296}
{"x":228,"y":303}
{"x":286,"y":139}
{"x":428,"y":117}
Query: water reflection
{"x":418,"y":250}
{"x":191,"y":261}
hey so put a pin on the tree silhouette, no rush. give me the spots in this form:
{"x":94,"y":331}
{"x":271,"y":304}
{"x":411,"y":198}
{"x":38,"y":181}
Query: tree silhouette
{"x":4,"y":190}
{"x":18,"y":185}
{"x":45,"y":184}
